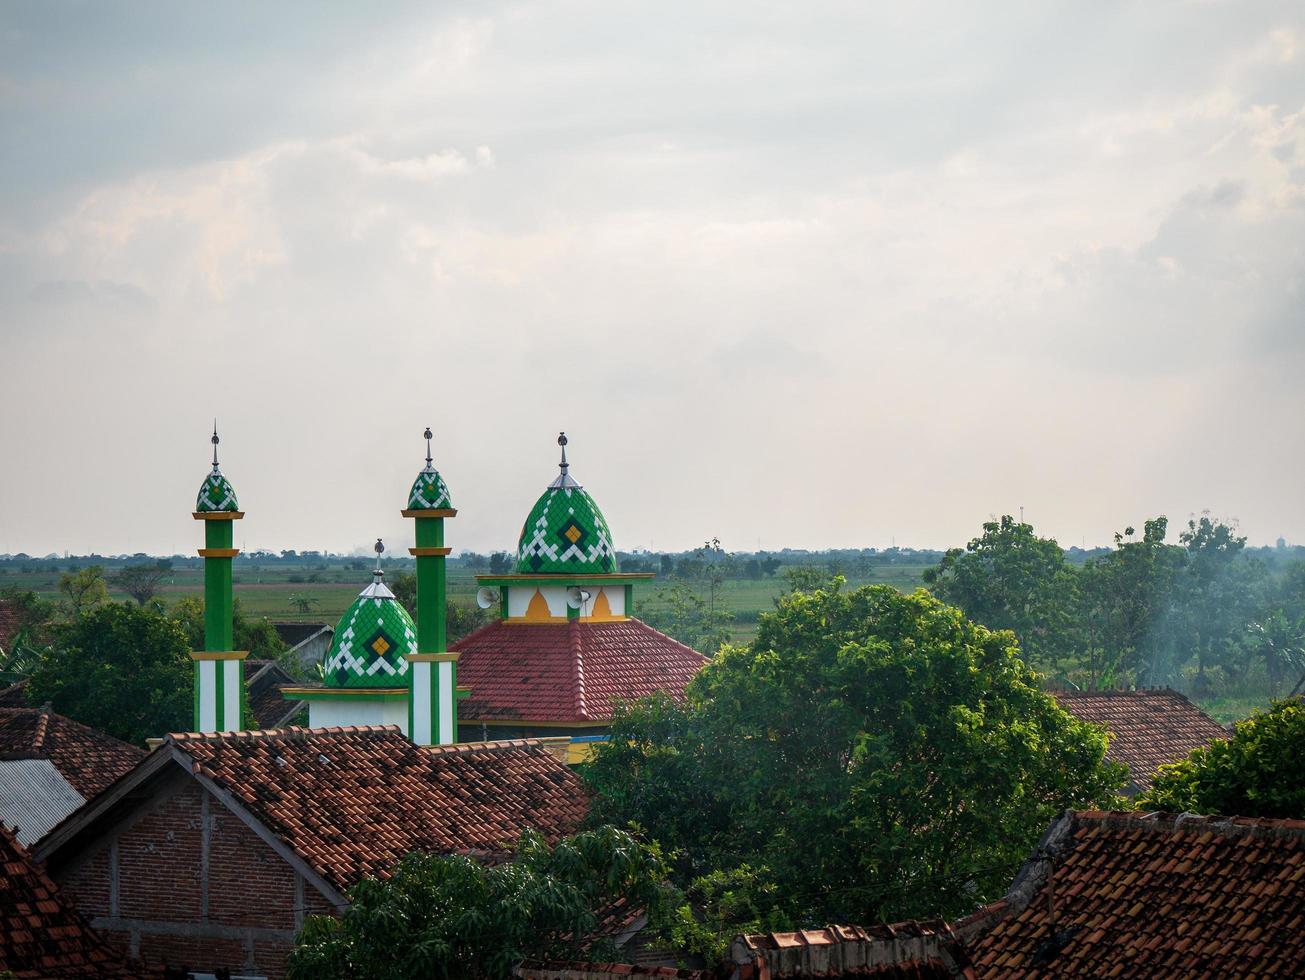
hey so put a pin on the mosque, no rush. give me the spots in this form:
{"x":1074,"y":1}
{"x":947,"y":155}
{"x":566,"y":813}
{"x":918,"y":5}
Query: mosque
{"x":564,"y":646}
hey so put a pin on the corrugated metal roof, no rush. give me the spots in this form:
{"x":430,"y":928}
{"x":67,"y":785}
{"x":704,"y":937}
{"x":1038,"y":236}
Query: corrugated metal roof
{"x":34,"y":797}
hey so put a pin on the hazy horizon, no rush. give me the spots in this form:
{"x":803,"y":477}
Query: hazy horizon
{"x":811,"y":276}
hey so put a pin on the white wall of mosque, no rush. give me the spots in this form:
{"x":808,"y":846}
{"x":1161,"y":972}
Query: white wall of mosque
{"x":520,"y":598}
{"x":358,"y":710}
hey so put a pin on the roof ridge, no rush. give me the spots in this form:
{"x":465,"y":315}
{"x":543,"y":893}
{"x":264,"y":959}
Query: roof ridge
{"x":291,"y":732}
{"x":486,"y":745}
{"x":1168,"y":823}
{"x":577,"y":666}
{"x":47,"y":714}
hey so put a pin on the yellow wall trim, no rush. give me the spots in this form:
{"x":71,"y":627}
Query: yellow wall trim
{"x":218,"y":654}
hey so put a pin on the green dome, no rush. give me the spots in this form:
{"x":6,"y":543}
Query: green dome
{"x":370,"y":641}
{"x":216,"y":494}
{"x":429,"y":491}
{"x":566,"y":532}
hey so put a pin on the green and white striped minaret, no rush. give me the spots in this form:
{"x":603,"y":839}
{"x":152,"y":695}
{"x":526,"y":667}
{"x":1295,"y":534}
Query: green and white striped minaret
{"x":433,"y":677}
{"x":219,"y":680}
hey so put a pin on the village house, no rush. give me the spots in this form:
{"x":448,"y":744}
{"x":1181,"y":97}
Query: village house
{"x":213,"y":850}
{"x":1148,"y":728}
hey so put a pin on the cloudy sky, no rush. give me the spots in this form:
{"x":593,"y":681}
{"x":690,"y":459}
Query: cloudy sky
{"x":808,"y":274}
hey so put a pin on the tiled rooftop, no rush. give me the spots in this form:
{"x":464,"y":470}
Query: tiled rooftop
{"x":923,"y":950}
{"x":40,"y":933}
{"x":1151,"y":895}
{"x":567,"y":671}
{"x":15,"y":695}
{"x":352,"y":801}
{"x":1148,"y":728}
{"x":88,"y":759}
{"x":559,"y":970}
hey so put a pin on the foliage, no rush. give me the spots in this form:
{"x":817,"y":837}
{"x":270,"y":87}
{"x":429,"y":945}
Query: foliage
{"x":301,"y":602}
{"x":258,"y":636}
{"x":33,"y":617}
{"x":121,"y":668}
{"x":880,"y":755}
{"x":1281,"y":644}
{"x":141,"y":581}
{"x":1009,"y":578}
{"x":1256,"y":773}
{"x":454,"y":917}
{"x":84,"y":590}
{"x":719,"y":906}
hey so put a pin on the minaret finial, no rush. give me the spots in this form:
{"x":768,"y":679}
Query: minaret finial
{"x":379,"y":548}
{"x":561,"y":441}
{"x":429,"y":459}
{"x":215,"y":441}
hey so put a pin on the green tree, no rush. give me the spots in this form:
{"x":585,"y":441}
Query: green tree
{"x":684,"y":614}
{"x":83,"y":590}
{"x":455,"y":918}
{"x":32,"y":617}
{"x":460,"y":618}
{"x":121,"y":668}
{"x":1215,"y":600}
{"x":1126,"y":598}
{"x":1255,"y":773}
{"x":258,"y":636}
{"x":141,"y":581}
{"x":1009,"y":578}
{"x":302,"y":603}
{"x":875,"y":756}
{"x":1281,"y":644}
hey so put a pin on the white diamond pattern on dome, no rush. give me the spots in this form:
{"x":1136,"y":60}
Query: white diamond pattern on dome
{"x":429,"y":492}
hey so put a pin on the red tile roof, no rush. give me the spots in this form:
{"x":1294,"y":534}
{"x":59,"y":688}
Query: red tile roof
{"x":1151,"y":894}
{"x":352,"y":801}
{"x":905,"y":950}
{"x":40,"y":933}
{"x":1148,"y":728}
{"x":567,"y":671}
{"x":88,"y":759}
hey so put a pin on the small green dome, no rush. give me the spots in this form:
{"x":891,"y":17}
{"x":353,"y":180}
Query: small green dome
{"x":370,"y":641}
{"x":566,"y":532}
{"x":216,"y":494}
{"x":429,"y":492}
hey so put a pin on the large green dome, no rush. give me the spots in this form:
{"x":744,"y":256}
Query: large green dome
{"x":565,"y":532}
{"x":370,"y":641}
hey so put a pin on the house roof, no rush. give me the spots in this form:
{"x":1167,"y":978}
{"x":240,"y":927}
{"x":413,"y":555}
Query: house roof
{"x":565,"y":970}
{"x":293,"y":634}
{"x":343,"y":803}
{"x":15,"y":695}
{"x":923,"y":950}
{"x":263,"y":680}
{"x":34,"y":797}
{"x":40,"y":933}
{"x":567,"y":671}
{"x":1150,"y":894}
{"x":88,"y":759}
{"x":1148,"y":728}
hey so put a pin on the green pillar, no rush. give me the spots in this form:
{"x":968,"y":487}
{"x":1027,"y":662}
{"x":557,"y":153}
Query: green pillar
{"x":218,"y":536}
{"x":432,"y":587}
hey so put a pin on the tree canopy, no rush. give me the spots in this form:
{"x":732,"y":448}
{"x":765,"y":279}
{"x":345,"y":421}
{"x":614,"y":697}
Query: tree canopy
{"x":1258,"y":772}
{"x":121,"y":668}
{"x":870,"y":755}
{"x":457,"y":918}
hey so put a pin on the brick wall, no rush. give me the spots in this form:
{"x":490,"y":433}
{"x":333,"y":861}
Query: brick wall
{"x":176,"y":902}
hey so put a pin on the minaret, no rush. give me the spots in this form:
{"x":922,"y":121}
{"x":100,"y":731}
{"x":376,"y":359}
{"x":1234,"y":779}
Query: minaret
{"x":219,"y":680}
{"x":433,"y":677}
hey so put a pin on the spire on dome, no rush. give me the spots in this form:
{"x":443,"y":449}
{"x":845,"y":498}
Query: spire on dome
{"x":215,"y":442}
{"x":564,"y":480}
{"x":378,"y":589}
{"x":429,"y":492}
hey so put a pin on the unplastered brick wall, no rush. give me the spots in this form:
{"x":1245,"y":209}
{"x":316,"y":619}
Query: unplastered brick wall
{"x":235,"y":904}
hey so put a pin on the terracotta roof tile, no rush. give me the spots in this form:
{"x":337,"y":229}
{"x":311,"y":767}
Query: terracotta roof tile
{"x":567,"y":671}
{"x":1151,"y":894}
{"x":1148,"y":728}
{"x":352,"y":801}
{"x":902,"y":951}
{"x":88,"y":759}
{"x":562,"y":970}
{"x":40,"y":933}
{"x":15,"y":695}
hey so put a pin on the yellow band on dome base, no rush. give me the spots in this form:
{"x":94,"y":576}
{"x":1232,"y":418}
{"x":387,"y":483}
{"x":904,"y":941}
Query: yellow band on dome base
{"x":218,"y":515}
{"x":439,"y":512}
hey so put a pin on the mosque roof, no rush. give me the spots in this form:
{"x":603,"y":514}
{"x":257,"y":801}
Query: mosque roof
{"x":567,"y":672}
{"x":565,"y":531}
{"x":371,"y":639}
